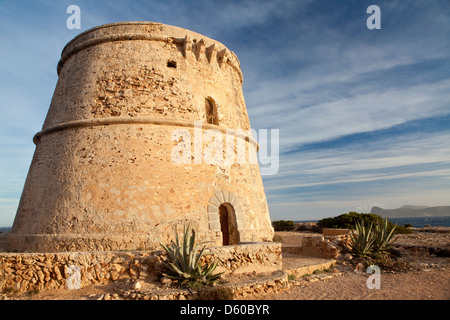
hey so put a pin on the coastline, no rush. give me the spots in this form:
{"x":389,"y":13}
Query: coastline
{"x":422,"y":271}
{"x":426,"y":277}
{"x":417,"y":222}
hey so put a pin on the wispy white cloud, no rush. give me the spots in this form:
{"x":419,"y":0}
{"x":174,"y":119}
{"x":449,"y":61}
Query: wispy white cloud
{"x":386,"y":159}
{"x":388,"y":173}
{"x":363,"y":112}
{"x":311,"y":69}
{"x":304,"y":209}
{"x":343,"y":83}
{"x":366,"y":178}
{"x":231,"y":15}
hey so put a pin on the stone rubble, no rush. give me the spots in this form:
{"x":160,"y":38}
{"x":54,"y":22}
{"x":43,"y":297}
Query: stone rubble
{"x":255,"y":284}
{"x":28,"y":272}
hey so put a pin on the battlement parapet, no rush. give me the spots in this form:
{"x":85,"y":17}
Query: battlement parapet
{"x":192,"y":44}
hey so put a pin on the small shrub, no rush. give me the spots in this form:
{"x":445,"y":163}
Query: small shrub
{"x":402,"y":230}
{"x":306,"y":275}
{"x":329,"y":270}
{"x":386,"y":262}
{"x":283,"y":225}
{"x":318,"y":271}
{"x":34,"y":292}
{"x":348,"y":221}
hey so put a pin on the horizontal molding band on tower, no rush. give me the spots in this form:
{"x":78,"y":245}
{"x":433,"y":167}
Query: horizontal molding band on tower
{"x":143,"y":120}
{"x":234,"y":63}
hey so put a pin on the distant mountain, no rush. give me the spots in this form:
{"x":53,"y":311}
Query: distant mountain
{"x":412,"y":211}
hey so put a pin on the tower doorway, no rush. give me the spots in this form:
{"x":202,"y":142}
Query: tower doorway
{"x":228,"y":225}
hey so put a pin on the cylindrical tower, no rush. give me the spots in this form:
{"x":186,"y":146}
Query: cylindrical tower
{"x":120,"y":161}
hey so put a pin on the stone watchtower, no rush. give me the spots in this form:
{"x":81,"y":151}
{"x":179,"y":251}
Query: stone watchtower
{"x":103,"y":176}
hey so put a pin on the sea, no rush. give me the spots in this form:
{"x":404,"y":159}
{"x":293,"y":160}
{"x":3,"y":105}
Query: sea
{"x":416,"y":222}
{"x":419,"y":222}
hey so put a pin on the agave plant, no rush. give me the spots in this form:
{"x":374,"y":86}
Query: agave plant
{"x":184,"y":261}
{"x":362,"y":241}
{"x":384,"y":236}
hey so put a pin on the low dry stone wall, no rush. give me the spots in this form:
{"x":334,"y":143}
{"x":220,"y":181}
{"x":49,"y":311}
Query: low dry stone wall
{"x":274,"y":283}
{"x":317,"y":245}
{"x":259,"y":284}
{"x":27,"y":272}
{"x":258,"y":257}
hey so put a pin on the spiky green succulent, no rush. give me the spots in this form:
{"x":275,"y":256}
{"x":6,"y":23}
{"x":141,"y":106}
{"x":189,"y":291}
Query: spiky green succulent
{"x":184,"y":261}
{"x":384,"y":236}
{"x":362,"y":240}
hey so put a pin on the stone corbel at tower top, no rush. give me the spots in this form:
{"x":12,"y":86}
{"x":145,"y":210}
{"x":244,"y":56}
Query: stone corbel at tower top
{"x":212,"y":52}
{"x":209,"y":51}
{"x":186,"y":45}
{"x":222,"y":56}
{"x":198,"y":48}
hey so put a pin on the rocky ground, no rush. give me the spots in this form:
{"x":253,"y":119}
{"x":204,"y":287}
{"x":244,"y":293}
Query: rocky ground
{"x":428,"y":284}
{"x":421,"y":272}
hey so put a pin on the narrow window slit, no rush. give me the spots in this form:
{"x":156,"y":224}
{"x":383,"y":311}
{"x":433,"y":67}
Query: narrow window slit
{"x":211,"y":112}
{"x":172,"y":64}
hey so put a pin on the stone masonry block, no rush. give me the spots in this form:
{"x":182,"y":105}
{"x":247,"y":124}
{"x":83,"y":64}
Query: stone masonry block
{"x":213,"y":217}
{"x":214,"y":225}
{"x":231,"y":197}
{"x":226,"y":197}
{"x":213,"y":209}
{"x":215,"y":201}
{"x":219,"y":196}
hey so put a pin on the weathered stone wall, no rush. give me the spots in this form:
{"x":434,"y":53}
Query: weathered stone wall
{"x":103,"y":177}
{"x":24,"y":272}
{"x":317,"y":245}
{"x":271,"y":283}
{"x":258,"y":257}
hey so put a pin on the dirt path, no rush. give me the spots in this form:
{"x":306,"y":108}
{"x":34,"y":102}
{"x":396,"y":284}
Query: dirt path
{"x":426,"y":283}
{"x":419,"y":285}
{"x":433,"y":284}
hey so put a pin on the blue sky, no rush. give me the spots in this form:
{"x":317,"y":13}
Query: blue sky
{"x":364,"y":115}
